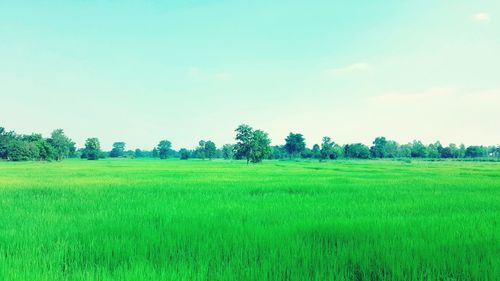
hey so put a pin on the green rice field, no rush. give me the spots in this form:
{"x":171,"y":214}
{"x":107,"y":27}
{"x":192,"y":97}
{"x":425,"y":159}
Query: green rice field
{"x":224,"y":220}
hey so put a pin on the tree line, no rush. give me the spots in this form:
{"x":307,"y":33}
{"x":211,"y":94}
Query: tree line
{"x":251,"y":145}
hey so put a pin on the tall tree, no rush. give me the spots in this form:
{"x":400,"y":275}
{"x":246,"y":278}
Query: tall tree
{"x":337,"y":152}
{"x":92,"y":149}
{"x":418,"y":149}
{"x":446,"y":152}
{"x":200,"y":150}
{"x":18,"y":150}
{"x":378,"y":148}
{"x":278,"y":152}
{"x":454,"y":150}
{"x":474,"y":151}
{"x":243,"y":147}
{"x":306,"y":153}
{"x":391,"y":149}
{"x":154,"y":153}
{"x":251,"y":145}
{"x":228,"y":151}
{"x":72,"y":150}
{"x":164,"y":149}
{"x":184,"y":154}
{"x":461,"y":151}
{"x":138,"y":153}
{"x":294,"y":144}
{"x":63,"y":145}
{"x":118,"y":149}
{"x":45,"y":150}
{"x":383,"y":148}
{"x":210,"y":149}
{"x":260,"y":146}
{"x":357,"y":150}
{"x":496,"y":152}
{"x":433,"y":150}
{"x":404,"y":150}
{"x":5,"y":139}
{"x":316,"y":151}
{"x":39,"y":148}
{"x":326,"y":148}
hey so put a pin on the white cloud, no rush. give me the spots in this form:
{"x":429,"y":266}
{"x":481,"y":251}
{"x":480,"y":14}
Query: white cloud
{"x":481,"y":17}
{"x":355,"y":67}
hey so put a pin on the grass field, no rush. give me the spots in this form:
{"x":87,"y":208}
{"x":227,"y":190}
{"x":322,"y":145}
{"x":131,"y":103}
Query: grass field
{"x":222,"y":220}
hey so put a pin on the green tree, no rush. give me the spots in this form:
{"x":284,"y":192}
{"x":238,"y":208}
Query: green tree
{"x":475,"y":151}
{"x":404,"y":151}
{"x":164,"y":149}
{"x":6,"y":138}
{"x":454,"y":150}
{"x":391,"y":149}
{"x":206,"y":149}
{"x":278,"y":152}
{"x":316,"y":151}
{"x":496,"y":152}
{"x":45,"y":150}
{"x":337,"y":152}
{"x":357,"y":150}
{"x":418,"y":149}
{"x":210,"y":149}
{"x":446,"y":152}
{"x":228,"y":151}
{"x":326,"y":148}
{"x":251,"y":145}
{"x":154,"y":153}
{"x":72,"y":150}
{"x":243,"y":146}
{"x":294,"y":144}
{"x":138,"y":153}
{"x":118,"y":149}
{"x":184,"y":154}
{"x":260,"y":146}
{"x":306,"y":153}
{"x":383,"y":148}
{"x":461,"y":151}
{"x":129,"y":153}
{"x":200,"y":150}
{"x":378,"y":148}
{"x":39,"y":148}
{"x":433,"y":150}
{"x":63,"y":146}
{"x":18,"y":150}
{"x":92,"y":149}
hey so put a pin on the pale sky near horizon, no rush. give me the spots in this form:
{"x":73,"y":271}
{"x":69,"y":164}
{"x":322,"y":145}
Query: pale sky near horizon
{"x":142,"y":71}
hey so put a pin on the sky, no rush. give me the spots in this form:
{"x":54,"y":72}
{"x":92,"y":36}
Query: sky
{"x":143,"y":71}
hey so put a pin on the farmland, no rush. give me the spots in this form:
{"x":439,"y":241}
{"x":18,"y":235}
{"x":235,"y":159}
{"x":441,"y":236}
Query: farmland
{"x":123,"y":219}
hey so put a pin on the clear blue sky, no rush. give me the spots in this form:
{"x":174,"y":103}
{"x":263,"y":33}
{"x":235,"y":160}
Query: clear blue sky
{"x":141,"y":71}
